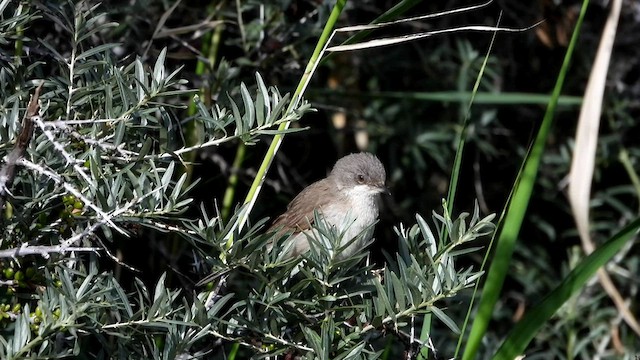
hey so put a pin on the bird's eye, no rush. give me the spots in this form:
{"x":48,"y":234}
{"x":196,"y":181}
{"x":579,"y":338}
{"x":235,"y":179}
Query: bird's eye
{"x":360,"y":178}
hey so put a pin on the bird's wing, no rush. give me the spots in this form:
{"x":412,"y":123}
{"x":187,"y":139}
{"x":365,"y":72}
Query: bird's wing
{"x":299,"y":214}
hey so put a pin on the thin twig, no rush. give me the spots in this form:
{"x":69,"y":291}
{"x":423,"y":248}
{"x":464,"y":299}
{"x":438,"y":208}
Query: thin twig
{"x":60,"y":148}
{"x":42,"y":250}
{"x":56,"y":178}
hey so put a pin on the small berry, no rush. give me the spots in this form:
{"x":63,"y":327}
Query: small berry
{"x":18,"y":276}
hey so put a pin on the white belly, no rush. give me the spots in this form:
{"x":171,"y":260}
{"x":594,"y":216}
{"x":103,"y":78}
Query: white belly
{"x":355,"y":220}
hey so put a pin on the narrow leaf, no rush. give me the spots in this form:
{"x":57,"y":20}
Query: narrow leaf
{"x":249,"y":110}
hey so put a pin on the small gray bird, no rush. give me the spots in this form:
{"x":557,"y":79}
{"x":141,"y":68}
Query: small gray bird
{"x":348,"y":197}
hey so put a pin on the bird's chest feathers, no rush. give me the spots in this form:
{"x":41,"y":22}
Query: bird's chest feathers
{"x":361,"y":211}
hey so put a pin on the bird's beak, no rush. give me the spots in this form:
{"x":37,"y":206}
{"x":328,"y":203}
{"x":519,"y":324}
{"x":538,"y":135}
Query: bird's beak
{"x":383,"y":189}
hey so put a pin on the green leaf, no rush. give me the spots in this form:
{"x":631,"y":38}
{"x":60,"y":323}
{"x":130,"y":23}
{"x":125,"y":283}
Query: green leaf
{"x":236,"y":116}
{"x":125,"y":92}
{"x":119,"y":133}
{"x":158,"y":68}
{"x":220,"y":304}
{"x":95,"y":50}
{"x":445,"y":319}
{"x":159,"y":292}
{"x":249,"y":110}
{"x":84,"y":287}
{"x":262,"y":101}
{"x":313,"y":339}
{"x":278,"y":109}
{"x":96,"y":29}
{"x":21,"y":332}
{"x":281,"y":132}
{"x":124,"y":300}
{"x":399,"y":291}
{"x":168,"y":174}
{"x":354,"y":353}
{"x":382,"y":297}
{"x":142,"y":89}
{"x":177,"y":189}
{"x":428,"y":235}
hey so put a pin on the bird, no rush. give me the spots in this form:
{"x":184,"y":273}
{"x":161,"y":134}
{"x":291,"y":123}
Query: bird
{"x":347,"y":199}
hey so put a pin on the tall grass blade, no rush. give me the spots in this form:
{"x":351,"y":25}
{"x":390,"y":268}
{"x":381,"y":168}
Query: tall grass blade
{"x":252,"y":195}
{"x":522,"y":333}
{"x":516,"y":209}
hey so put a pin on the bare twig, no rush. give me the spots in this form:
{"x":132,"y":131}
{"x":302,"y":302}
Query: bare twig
{"x":113,"y":257}
{"x":58,"y":146}
{"x":42,"y":250}
{"x":56,"y":178}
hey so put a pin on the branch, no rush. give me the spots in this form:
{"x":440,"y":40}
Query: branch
{"x":42,"y":250}
{"x":8,"y":170}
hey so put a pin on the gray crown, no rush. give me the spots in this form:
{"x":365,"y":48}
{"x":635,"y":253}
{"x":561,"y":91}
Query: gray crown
{"x":360,"y":168}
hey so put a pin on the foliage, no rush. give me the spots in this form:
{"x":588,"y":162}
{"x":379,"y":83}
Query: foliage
{"x":102,"y":166}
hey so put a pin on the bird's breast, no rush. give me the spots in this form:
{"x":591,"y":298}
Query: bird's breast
{"x":353,"y":216}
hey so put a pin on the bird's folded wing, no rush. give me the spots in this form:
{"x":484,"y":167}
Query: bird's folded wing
{"x":299,"y":214}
